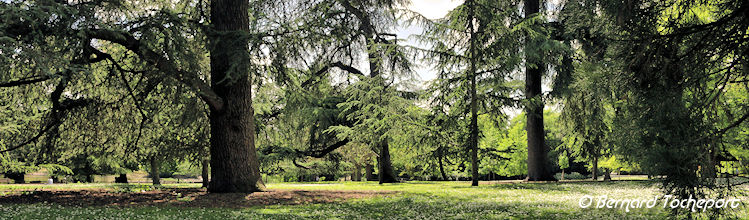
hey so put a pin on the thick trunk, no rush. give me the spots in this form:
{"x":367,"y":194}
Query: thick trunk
{"x":385,"y":167}
{"x":537,"y":150}
{"x":234,"y":164}
{"x":474,"y":127}
{"x":205,"y":172}
{"x":121,"y":179}
{"x":595,"y":168}
{"x":368,"y":171}
{"x":155,"y":178}
{"x":442,"y":167}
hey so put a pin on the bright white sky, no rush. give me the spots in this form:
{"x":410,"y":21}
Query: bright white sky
{"x":432,"y":9}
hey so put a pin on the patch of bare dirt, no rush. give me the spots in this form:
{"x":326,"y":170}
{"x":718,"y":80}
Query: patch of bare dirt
{"x":186,"y":197}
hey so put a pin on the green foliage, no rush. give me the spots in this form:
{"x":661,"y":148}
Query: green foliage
{"x":564,"y":160}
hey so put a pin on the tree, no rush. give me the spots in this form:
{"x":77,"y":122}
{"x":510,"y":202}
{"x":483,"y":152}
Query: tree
{"x":234,"y":163}
{"x":564,"y":162}
{"x":159,"y":42}
{"x":534,"y":67}
{"x":473,"y":47}
{"x":667,"y":77}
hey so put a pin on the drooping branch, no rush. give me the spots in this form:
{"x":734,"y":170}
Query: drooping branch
{"x":326,"y":150}
{"x":163,"y":64}
{"x":59,"y":108}
{"x":340,"y":65}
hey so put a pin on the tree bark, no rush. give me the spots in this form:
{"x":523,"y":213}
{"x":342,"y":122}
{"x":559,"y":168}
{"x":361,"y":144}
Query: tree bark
{"x":368,"y":170}
{"x":708,"y":170}
{"x":385,"y":167}
{"x":121,"y":179}
{"x":205,"y":172}
{"x":537,"y":149}
{"x":607,"y":175}
{"x":155,"y":178}
{"x":234,"y":164}
{"x":442,"y":167}
{"x":474,"y":127}
{"x":595,"y":168}
{"x":562,"y":174}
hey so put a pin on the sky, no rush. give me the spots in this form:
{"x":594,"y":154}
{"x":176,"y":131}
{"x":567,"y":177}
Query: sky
{"x":432,"y":9}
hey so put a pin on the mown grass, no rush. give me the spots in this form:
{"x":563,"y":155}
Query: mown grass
{"x":416,"y":200}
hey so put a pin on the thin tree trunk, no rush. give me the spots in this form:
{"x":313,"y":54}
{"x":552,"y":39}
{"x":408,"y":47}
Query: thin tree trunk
{"x":709,"y":165}
{"x":234,"y":164}
{"x":385,"y":169}
{"x":595,"y":168}
{"x":562,"y":174}
{"x":607,"y":175}
{"x":442,"y":167}
{"x":474,"y":127}
{"x":155,"y":178}
{"x":537,"y":149}
{"x":357,"y":172}
{"x":368,"y":171}
{"x":205,"y":173}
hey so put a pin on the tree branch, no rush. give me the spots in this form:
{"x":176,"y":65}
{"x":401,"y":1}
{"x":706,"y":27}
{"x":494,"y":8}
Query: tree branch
{"x":325,"y":69}
{"x":326,"y":150}
{"x":164,"y":65}
{"x":25,"y":81}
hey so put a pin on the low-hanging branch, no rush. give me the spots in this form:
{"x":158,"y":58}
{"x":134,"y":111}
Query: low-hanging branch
{"x":324,"y":151}
{"x":160,"y":62}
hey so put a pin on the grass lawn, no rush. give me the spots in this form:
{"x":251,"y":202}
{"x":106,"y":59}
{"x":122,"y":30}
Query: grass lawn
{"x":412,"y":200}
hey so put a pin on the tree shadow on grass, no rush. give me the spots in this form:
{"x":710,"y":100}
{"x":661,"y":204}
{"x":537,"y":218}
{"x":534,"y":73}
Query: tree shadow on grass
{"x":183,"y":197}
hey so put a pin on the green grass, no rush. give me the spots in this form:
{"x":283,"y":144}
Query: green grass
{"x":416,"y":200}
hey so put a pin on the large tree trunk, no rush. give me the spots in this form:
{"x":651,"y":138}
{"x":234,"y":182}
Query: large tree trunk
{"x":385,"y":172}
{"x":537,"y":150}
{"x":368,"y":171}
{"x":234,"y":164}
{"x":205,"y":172}
{"x":595,"y":168}
{"x":155,"y":178}
{"x":121,"y":179}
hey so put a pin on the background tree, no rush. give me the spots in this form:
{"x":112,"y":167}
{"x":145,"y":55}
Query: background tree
{"x":473,"y":48}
